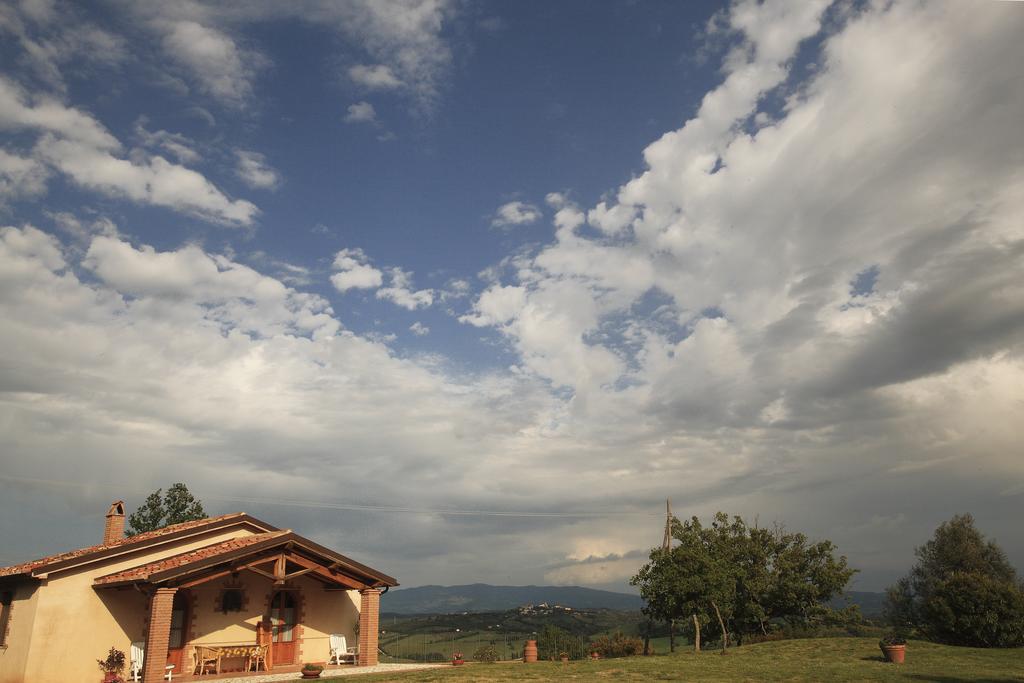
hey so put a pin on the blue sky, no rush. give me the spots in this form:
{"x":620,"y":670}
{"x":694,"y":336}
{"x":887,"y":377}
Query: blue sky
{"x":562,"y":258}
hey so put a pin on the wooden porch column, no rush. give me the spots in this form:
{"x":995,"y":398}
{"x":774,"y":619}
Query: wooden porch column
{"x":369,"y":625}
{"x":158,"y":636}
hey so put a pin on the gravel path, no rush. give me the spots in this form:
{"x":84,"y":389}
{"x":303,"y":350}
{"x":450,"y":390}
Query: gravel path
{"x":330,"y":673}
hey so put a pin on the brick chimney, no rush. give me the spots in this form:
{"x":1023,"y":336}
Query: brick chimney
{"x":114,"y":530}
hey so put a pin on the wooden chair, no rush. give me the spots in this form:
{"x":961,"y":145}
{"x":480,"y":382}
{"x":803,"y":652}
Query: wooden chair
{"x":206,"y":657}
{"x":257,"y":658}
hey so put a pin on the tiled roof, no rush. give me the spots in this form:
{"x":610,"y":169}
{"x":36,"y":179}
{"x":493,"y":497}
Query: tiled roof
{"x":27,"y":567}
{"x":143,"y":572}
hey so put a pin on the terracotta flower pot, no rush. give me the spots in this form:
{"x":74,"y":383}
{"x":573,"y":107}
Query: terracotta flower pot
{"x":895,"y":653}
{"x":311,"y":674}
{"x":530,"y":651}
{"x":458,"y":662}
{"x":564,"y":658}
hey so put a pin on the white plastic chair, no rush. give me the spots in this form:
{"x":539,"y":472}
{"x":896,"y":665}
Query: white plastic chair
{"x":135,"y":667}
{"x":340,"y":652}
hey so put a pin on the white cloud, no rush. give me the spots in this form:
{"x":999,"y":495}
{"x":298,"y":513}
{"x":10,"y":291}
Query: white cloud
{"x":399,"y":291}
{"x":375,"y":77}
{"x":361,"y":112}
{"x":151,"y":181}
{"x":497,"y":306}
{"x":401,"y":42}
{"x":83,"y":230}
{"x":609,"y":571}
{"x":50,"y":41}
{"x":222,"y":69}
{"x":419,"y":329}
{"x":355,"y":271}
{"x":515,"y":213}
{"x":255,"y":172}
{"x":21,"y":177}
{"x":179,"y":146}
{"x":405,"y":42}
{"x":78,"y":145}
{"x":20,"y":111}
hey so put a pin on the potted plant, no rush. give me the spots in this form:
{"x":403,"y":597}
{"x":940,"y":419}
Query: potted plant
{"x":112,"y":666}
{"x":894,"y":647}
{"x":564,"y":656}
{"x":312,"y":670}
{"x":457,"y":659}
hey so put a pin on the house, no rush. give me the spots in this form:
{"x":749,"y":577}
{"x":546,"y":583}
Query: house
{"x":231,"y":582}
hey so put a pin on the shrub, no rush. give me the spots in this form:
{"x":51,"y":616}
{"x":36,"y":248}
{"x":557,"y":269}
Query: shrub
{"x":486,"y":653}
{"x":617,"y":645}
{"x":976,"y":610}
{"x":962,"y":591}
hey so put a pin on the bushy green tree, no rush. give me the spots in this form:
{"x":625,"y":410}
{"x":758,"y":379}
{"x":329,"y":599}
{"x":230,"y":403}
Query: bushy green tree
{"x":962,"y":591}
{"x":176,"y":506}
{"x":740,"y":578}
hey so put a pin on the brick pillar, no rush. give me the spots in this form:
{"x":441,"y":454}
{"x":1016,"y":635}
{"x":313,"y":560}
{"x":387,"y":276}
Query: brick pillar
{"x":158,"y":635}
{"x":369,"y":625}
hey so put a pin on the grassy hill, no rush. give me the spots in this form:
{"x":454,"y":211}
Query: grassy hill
{"x":482,"y":597}
{"x":823,"y":659}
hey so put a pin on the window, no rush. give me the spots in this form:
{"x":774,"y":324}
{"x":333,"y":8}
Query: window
{"x":231,"y":600}
{"x":6,"y":598}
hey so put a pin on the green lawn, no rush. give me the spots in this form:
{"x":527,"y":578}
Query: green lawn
{"x":825,"y":659}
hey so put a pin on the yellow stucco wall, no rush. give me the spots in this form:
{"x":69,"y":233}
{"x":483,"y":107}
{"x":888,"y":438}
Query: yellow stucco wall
{"x":59,"y":631}
{"x":14,"y":656}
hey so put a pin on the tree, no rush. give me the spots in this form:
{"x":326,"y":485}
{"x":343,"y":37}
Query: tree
{"x":741,"y":578}
{"x":176,"y":506}
{"x":962,"y":591}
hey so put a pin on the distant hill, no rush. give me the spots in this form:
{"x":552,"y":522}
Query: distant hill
{"x":870,"y":603}
{"x":481,"y":597}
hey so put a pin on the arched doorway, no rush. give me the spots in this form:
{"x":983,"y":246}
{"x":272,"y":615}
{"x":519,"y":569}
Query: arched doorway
{"x":180,"y":620}
{"x":283,"y":619}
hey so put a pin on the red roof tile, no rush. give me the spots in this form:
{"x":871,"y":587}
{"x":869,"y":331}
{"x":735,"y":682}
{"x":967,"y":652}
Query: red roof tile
{"x":143,"y":572}
{"x":143,"y":539}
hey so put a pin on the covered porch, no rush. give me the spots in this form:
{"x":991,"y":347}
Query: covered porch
{"x":255,"y":605}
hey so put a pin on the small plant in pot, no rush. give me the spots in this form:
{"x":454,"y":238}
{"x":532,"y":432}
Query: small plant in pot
{"x":894,"y":647}
{"x":564,"y":656}
{"x":457,"y":659}
{"x":112,"y":666}
{"x":312,"y":670}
